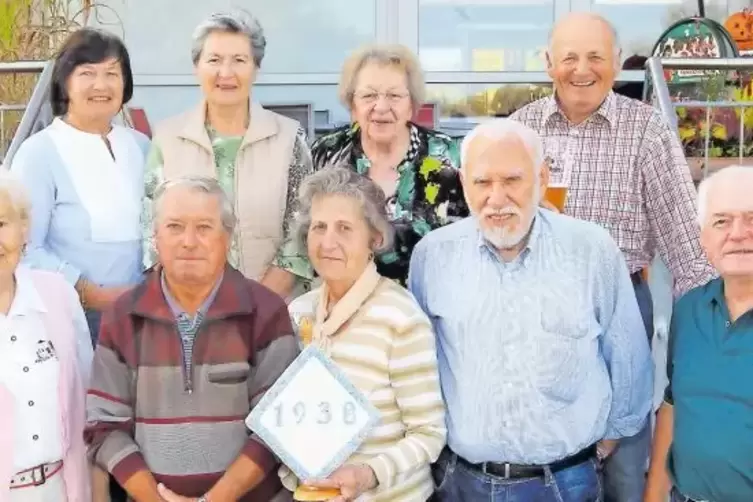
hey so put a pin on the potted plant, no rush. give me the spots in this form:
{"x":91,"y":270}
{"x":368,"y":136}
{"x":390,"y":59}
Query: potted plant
{"x":718,"y":137}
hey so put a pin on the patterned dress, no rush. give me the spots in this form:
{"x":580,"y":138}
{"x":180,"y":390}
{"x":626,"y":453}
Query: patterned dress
{"x":289,"y":257}
{"x":428,"y":195}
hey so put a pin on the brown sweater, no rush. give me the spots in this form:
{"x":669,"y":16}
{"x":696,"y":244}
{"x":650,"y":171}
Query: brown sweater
{"x":147,"y":411}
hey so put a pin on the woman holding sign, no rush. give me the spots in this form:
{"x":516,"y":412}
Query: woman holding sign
{"x":376,"y":333}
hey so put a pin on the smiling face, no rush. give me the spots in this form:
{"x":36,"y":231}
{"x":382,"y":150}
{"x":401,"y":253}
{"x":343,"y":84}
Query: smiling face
{"x":727,"y":229}
{"x":226,"y":68}
{"x":95,"y":91}
{"x":339,"y":239}
{"x":583,"y":64}
{"x":381,"y":101}
{"x":502,"y":188}
{"x":191,"y":242}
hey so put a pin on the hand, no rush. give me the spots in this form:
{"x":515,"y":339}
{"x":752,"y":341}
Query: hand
{"x":170,"y":496}
{"x":351,"y":480}
{"x":548,"y":205}
{"x":605,"y":448}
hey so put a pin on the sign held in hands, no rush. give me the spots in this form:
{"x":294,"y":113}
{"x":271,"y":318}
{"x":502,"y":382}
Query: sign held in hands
{"x":313,"y":417}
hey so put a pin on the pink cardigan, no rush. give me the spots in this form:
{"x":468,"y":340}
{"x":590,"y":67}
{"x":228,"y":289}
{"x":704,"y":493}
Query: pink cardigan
{"x":59,"y":326}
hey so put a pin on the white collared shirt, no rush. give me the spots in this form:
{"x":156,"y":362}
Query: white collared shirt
{"x":29,"y":369}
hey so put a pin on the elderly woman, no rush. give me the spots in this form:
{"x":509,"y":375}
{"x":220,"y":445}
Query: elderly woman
{"x":363,"y":320}
{"x":84,"y":175}
{"x":45,"y":360}
{"x":259,"y":157}
{"x":417,"y":168}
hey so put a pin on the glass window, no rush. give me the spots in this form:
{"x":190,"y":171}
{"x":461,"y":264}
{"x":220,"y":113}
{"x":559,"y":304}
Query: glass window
{"x":640,"y":23}
{"x":479,"y":35}
{"x":303,"y":36}
{"x":466,"y":103}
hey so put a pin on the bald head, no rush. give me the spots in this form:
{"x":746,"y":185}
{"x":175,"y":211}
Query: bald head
{"x":583,"y":61}
{"x":577,"y":24}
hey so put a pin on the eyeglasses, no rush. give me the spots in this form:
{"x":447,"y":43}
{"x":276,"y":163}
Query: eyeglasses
{"x":371,"y":97}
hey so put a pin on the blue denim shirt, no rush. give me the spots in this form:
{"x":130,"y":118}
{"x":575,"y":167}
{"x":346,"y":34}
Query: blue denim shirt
{"x":539,"y":357}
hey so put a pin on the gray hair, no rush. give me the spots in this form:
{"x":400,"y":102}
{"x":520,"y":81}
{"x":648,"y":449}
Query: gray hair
{"x":705,"y":187}
{"x":395,"y":55}
{"x":201,"y":184}
{"x":503,"y":128}
{"x":230,"y":22}
{"x":15,"y":192}
{"x":346,"y":182}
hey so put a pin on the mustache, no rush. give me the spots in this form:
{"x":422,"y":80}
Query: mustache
{"x":504,"y":211}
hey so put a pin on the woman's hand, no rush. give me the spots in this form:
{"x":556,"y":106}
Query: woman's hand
{"x":351,"y":480}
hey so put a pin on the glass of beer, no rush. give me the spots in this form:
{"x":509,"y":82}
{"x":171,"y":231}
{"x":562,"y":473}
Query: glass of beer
{"x":556,"y":195}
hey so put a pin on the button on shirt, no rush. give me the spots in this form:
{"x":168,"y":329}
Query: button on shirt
{"x":626,"y":171}
{"x":29,"y":369}
{"x":526,"y":348}
{"x":710,"y":368}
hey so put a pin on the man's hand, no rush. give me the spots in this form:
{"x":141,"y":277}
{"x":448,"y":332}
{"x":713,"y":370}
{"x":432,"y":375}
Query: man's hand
{"x":605,"y":448}
{"x":351,"y":480}
{"x":170,"y":496}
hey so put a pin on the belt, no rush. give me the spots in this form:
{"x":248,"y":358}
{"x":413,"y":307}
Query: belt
{"x":36,"y":476}
{"x":517,"y":471}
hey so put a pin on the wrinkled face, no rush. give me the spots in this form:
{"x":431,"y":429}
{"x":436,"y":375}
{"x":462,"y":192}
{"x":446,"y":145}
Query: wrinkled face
{"x":502,"y":189}
{"x":339,"y":239}
{"x":226,"y":68}
{"x":191,"y":242}
{"x":381,"y":102}
{"x":13,"y":232}
{"x":95,"y":91}
{"x":583,"y":65}
{"x":727,"y":232}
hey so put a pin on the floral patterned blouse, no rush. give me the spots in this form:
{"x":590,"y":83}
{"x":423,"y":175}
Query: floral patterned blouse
{"x":225,"y":149}
{"x":428,"y":194}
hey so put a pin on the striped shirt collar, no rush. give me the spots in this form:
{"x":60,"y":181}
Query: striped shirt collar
{"x":175,"y":306}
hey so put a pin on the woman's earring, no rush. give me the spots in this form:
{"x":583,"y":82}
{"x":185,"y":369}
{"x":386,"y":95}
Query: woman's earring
{"x":371,"y":256}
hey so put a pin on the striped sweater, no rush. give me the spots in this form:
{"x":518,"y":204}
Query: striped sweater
{"x":378,"y":335}
{"x":147,"y":409}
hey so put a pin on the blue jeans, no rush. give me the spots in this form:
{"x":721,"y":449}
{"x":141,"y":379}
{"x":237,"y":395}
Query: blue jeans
{"x":457,"y":483}
{"x":625,"y":470}
{"x":93,"y":318}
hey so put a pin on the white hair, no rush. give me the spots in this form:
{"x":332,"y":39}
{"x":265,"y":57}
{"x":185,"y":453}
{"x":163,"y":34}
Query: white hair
{"x":503,"y":128}
{"x":200,"y":184}
{"x":706,"y":186}
{"x":13,"y":189}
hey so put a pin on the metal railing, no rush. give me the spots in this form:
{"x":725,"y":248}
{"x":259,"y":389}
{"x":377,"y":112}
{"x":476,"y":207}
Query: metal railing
{"x":668,"y":107}
{"x":37,"y":112}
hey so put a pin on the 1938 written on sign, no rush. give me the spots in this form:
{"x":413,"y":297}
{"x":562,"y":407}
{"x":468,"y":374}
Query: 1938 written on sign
{"x":313,"y":417}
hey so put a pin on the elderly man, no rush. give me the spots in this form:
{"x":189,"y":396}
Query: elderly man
{"x":625,"y":170}
{"x":183,"y":358}
{"x":703,"y":438}
{"x":536,"y":322}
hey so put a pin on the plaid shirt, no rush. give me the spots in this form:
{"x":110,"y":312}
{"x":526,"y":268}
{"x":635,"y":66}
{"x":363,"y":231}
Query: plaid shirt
{"x":626,"y":171}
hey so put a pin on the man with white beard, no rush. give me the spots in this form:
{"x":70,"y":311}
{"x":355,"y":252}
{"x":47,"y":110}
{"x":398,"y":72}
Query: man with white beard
{"x":537,"y":323}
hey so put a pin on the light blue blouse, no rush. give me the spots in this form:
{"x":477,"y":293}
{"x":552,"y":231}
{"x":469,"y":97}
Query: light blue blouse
{"x":66,"y":233}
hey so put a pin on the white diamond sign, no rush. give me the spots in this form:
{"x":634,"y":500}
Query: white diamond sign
{"x":313,"y":418}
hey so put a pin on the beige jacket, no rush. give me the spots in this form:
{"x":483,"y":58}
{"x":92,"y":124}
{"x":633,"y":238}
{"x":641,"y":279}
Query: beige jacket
{"x":261,"y":175}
